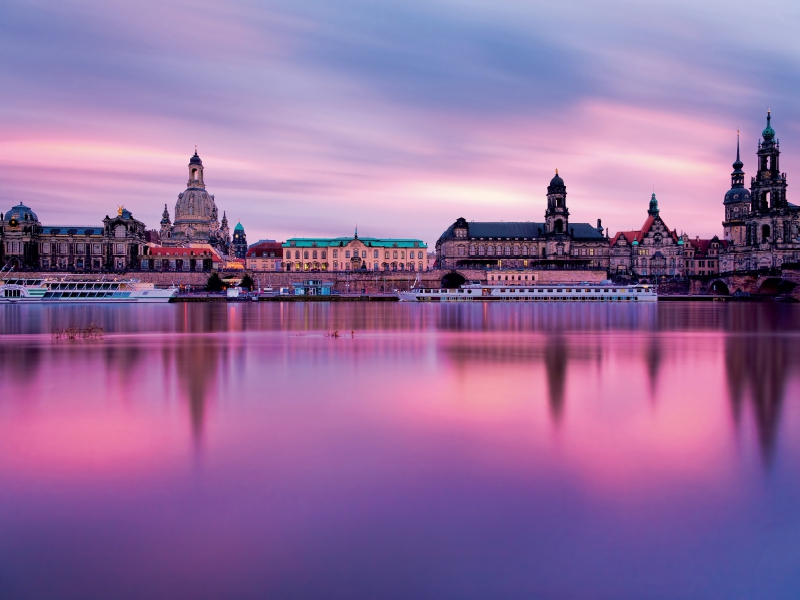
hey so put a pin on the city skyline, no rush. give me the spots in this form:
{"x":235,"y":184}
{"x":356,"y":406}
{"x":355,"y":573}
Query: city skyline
{"x":400,"y":119}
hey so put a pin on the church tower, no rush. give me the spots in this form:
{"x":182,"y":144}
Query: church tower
{"x":737,"y":204}
{"x":768,"y":187}
{"x":166,"y":225}
{"x":653,"y":209}
{"x":196,"y":172}
{"x":557,"y":216}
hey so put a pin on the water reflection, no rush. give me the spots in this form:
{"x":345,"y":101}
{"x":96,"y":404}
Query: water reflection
{"x":466,"y":444}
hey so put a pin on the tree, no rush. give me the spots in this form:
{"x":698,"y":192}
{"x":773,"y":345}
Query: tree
{"x":214,"y":283}
{"x":247,"y":282}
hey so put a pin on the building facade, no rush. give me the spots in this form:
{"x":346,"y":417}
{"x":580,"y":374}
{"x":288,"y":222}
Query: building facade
{"x":265,"y":255}
{"x":652,"y":250}
{"x":116,"y":245}
{"x":761,"y":227}
{"x":196,"y":215}
{"x":354,"y":253}
{"x":555,"y":243}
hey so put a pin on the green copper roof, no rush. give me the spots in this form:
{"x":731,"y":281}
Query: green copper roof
{"x":768,"y":132}
{"x":343,"y":241}
{"x":238,"y":227}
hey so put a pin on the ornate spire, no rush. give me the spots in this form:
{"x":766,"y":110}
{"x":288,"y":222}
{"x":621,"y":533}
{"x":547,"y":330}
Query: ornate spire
{"x":768,"y":133}
{"x":653,"y":210}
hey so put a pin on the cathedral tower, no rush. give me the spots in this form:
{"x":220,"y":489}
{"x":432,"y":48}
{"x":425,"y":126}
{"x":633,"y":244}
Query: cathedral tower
{"x":768,"y":187}
{"x":557,"y":216}
{"x":737,"y":203}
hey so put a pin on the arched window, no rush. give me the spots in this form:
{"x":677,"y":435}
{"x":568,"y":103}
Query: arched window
{"x":765,"y":233}
{"x":481,"y":250}
{"x":297,"y":254}
{"x":313,"y":254}
{"x":516,"y":249}
{"x":305,"y":255}
{"x":491,"y":250}
{"x":471,"y":251}
{"x":525,"y":250}
{"x":394,"y":254}
{"x":508,"y":250}
{"x":461,"y":251}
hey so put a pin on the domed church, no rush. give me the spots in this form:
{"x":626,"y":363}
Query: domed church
{"x":196,"y":215}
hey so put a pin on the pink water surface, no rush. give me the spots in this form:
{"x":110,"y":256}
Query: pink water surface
{"x":429,"y":451}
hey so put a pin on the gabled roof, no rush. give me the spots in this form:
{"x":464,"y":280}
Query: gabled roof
{"x":702,"y":246}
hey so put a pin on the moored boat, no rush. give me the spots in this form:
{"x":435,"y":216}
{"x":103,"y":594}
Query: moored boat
{"x":20,"y":289}
{"x":571,"y":292}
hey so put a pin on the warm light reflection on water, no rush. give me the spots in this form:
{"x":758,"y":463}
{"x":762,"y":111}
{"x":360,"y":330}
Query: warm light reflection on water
{"x":470,"y":451}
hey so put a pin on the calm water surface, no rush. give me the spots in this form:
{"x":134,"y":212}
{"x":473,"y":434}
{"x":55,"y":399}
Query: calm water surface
{"x":439,"y":451}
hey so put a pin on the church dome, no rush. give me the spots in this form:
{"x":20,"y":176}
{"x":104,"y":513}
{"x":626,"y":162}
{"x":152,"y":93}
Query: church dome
{"x":19,"y":213}
{"x":194,"y":204}
{"x":238,"y":227}
{"x":556,"y":181}
{"x":737,"y":194}
{"x":195,"y":160}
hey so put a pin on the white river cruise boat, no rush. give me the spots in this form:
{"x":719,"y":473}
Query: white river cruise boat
{"x":572,"y":292}
{"x":19,"y":289}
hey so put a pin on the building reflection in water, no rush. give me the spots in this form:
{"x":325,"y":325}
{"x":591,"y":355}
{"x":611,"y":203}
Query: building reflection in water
{"x":555,"y":363}
{"x":757,"y":370}
{"x":195,"y":364}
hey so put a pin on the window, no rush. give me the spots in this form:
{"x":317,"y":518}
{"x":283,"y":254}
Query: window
{"x":375,"y":255}
{"x":62,"y":248}
{"x":402,"y":254}
{"x":297,"y":255}
{"x":491,"y":250}
{"x":386,"y":255}
{"x":335,"y":264}
{"x":80,"y":248}
{"x":461,"y":251}
{"x":335,"y":254}
{"x":471,"y":251}
{"x":394,"y":254}
{"x":347,"y":253}
{"x":591,"y":251}
{"x":508,"y":250}
{"x":119,"y":231}
{"x":481,"y":250}
{"x":45,"y":248}
{"x":525,"y":250}
{"x":305,"y":254}
{"x":363,"y":254}
{"x":313,"y":254}
{"x":324,"y":255}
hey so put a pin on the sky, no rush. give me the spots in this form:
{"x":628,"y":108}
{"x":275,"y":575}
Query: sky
{"x":313,"y":117}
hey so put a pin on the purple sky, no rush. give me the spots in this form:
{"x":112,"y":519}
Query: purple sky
{"x":313,"y":116}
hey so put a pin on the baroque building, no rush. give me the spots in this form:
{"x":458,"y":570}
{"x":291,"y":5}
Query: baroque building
{"x":553,"y":244}
{"x":761,"y":227}
{"x":265,"y":255}
{"x":116,"y":245}
{"x":196,"y":215}
{"x":354,"y":253}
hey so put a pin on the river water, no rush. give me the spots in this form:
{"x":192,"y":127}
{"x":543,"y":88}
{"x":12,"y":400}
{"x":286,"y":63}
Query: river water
{"x":428,"y":451}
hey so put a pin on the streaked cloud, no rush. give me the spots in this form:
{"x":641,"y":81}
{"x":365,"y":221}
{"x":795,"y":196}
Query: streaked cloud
{"x":313,"y":116}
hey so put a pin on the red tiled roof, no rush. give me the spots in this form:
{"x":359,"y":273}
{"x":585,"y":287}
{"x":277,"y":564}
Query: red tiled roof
{"x":263,"y":250}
